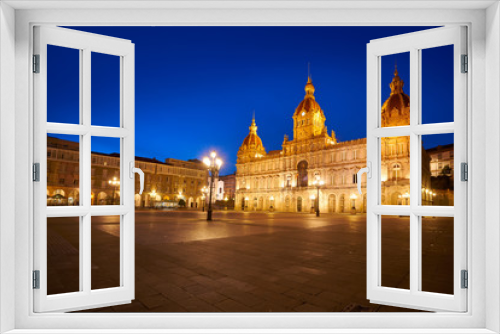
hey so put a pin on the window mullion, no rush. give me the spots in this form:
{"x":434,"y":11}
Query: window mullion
{"x":86,"y":177}
{"x":415,"y":162}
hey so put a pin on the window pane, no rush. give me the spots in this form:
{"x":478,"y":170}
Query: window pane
{"x":63,"y":85}
{"x":437,"y":84}
{"x":63,"y":255}
{"x":395,"y":170}
{"x":105,"y":252}
{"x":63,"y":170}
{"x":395,"y":80}
{"x":437,"y":254}
{"x":395,"y":252}
{"x":438,"y":169}
{"x":105,"y":90}
{"x":105,"y":171}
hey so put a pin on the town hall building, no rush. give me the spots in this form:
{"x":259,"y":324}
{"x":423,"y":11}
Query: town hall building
{"x":283,"y":180}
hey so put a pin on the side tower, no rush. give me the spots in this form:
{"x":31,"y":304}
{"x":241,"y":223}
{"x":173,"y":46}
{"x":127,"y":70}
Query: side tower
{"x":252,"y":145}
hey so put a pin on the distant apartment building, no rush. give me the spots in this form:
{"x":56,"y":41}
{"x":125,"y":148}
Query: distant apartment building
{"x":442,"y":160}
{"x":168,"y":181}
{"x":229,"y":186}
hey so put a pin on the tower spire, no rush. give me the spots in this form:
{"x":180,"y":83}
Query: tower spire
{"x":253,"y":127}
{"x":396,"y":84}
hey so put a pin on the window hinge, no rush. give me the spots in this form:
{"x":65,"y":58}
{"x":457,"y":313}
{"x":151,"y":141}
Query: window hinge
{"x":36,"y":172}
{"x":36,"y":279}
{"x":464,"y":171}
{"x":465,"y":279}
{"x":465,"y":64}
{"x":36,"y":63}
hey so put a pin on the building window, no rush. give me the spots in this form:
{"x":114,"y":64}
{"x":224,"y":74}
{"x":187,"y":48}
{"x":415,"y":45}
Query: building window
{"x":302,"y":171}
{"x":396,"y":172}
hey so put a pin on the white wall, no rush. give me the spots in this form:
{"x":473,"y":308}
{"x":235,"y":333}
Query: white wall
{"x":7,"y":162}
{"x":219,"y":190}
{"x":492,"y":164}
{"x":257,"y":17}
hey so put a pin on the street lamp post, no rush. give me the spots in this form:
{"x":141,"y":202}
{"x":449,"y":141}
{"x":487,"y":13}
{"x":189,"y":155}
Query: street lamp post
{"x":318,"y":184}
{"x":115,"y":183}
{"x":152,"y":197}
{"x":204,"y":190}
{"x":213,"y":166}
{"x":353,"y":203}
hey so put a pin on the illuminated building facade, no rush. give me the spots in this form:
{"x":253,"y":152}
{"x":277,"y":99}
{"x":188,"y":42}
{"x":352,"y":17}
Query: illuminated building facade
{"x":165,"y":182}
{"x":282,"y":180}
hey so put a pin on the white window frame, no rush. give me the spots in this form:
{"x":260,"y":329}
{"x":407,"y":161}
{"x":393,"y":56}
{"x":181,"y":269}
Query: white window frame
{"x":85,"y":43}
{"x":415,"y":43}
{"x":484,"y":213}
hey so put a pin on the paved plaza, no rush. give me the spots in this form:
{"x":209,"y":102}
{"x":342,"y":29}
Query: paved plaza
{"x":251,"y":262}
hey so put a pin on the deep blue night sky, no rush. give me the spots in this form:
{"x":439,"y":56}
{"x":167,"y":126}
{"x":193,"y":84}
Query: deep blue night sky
{"x":197,"y":87}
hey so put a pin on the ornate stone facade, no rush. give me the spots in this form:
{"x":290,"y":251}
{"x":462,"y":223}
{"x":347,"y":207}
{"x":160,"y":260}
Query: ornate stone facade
{"x":167,"y":181}
{"x":282,"y":180}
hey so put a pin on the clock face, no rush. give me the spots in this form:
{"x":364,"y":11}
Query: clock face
{"x":303,"y":113}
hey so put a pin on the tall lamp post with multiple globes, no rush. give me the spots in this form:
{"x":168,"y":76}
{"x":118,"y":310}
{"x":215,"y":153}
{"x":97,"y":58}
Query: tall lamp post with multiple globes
{"x":318,"y":184}
{"x":115,"y":183}
{"x":213,"y":164}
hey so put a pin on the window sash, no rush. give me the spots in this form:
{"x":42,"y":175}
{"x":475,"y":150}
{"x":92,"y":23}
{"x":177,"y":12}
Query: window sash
{"x":86,"y":297}
{"x":414,"y":298}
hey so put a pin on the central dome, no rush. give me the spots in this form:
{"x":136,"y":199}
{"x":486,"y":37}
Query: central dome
{"x":309,"y":103}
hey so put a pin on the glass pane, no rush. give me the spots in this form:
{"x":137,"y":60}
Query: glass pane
{"x":395,"y":242}
{"x":437,"y":254}
{"x":437,"y":169}
{"x":63,"y":85}
{"x":437,"y":85}
{"x":105,"y":252}
{"x":395,"y":170}
{"x":63,"y":170}
{"x":395,"y":83}
{"x":105,"y":90}
{"x":105,"y":171}
{"x":63,"y":255}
